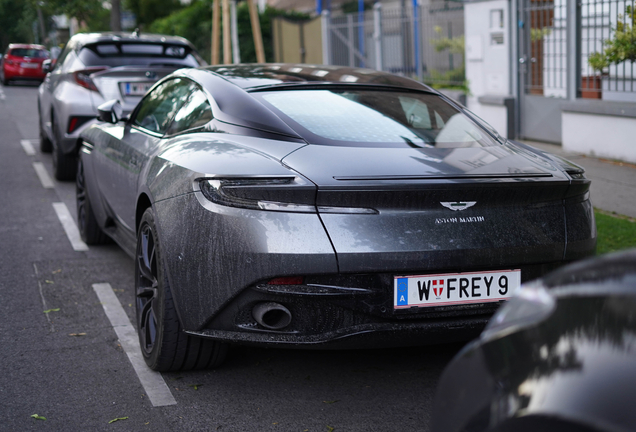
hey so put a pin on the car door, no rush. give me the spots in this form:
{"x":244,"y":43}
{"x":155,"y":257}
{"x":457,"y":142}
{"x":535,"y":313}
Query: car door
{"x":122,"y":157}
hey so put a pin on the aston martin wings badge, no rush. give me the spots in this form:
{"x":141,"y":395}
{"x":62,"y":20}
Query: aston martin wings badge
{"x":455,"y":206}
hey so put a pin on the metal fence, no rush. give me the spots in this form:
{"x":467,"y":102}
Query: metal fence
{"x":543,"y":42}
{"x":608,"y":49}
{"x":401,"y":40}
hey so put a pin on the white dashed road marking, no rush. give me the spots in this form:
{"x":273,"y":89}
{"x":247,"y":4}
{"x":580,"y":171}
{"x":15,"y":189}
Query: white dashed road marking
{"x":43,"y":175}
{"x":69,"y":227}
{"x":28,"y":147}
{"x":2,"y":95}
{"x":153,"y":383}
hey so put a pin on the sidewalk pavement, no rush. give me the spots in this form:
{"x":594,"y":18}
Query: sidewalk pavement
{"x":613,"y":186}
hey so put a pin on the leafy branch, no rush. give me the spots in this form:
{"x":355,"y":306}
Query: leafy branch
{"x":621,"y":47}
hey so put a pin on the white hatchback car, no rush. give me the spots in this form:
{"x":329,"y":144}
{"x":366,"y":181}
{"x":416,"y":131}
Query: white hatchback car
{"x":96,"y":67}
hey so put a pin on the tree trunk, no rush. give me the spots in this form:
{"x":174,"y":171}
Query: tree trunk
{"x":115,"y":15}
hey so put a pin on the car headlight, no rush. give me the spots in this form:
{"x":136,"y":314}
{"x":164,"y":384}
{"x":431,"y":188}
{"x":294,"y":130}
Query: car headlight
{"x":530,"y":305}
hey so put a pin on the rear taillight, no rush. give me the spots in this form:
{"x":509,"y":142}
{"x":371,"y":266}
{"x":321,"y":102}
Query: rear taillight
{"x":285,"y":194}
{"x":76,"y":121}
{"x":83,"y":78}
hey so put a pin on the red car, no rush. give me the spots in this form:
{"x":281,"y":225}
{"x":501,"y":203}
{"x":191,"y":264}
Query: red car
{"x":23,"y":62}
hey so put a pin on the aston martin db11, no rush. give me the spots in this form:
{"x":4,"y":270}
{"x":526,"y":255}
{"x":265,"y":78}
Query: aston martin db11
{"x":319,"y":206}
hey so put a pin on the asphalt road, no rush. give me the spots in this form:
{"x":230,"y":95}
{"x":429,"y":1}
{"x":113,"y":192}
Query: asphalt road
{"x":68,"y":365}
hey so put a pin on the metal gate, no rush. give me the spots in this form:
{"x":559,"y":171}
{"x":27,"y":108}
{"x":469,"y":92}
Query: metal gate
{"x":543,"y":67}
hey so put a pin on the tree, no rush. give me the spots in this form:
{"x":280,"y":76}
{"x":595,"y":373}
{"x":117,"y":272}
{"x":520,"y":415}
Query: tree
{"x":194,"y":23}
{"x":148,"y":11}
{"x":15,"y":25}
{"x":83,"y":10}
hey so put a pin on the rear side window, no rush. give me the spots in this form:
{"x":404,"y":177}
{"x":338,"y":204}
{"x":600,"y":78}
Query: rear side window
{"x":158,"y":108}
{"x":141,"y":54}
{"x":195,"y":113}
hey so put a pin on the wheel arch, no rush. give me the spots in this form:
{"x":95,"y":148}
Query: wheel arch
{"x":143,"y":203}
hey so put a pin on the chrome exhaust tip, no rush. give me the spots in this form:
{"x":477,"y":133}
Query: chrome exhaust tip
{"x":272,"y":316}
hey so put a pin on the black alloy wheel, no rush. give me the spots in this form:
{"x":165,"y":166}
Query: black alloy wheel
{"x":164,"y":345}
{"x":88,"y":227}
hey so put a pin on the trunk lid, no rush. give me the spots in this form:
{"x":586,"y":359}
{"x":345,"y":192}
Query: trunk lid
{"x":452,"y":208}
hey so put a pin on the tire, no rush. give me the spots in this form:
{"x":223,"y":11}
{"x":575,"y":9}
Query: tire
{"x":64,"y":165}
{"x":164,"y":345}
{"x":89,"y":229}
{"x":46,"y":146}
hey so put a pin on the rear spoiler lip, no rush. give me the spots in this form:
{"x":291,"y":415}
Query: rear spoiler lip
{"x":443,"y":176}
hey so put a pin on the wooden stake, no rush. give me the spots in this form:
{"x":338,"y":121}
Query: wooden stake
{"x":216,"y":33}
{"x":227,"y":41}
{"x":256,"y":31}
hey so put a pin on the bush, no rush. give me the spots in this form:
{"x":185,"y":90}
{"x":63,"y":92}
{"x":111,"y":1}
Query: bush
{"x":621,"y":47}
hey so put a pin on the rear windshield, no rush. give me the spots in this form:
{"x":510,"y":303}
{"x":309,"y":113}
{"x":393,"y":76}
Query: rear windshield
{"x":142,"y":54}
{"x":375,"y":118}
{"x":29,"y":52}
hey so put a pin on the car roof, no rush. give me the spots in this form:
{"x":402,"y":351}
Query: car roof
{"x":82,"y":39}
{"x":26,"y":46}
{"x":253,"y":76}
{"x":230,"y":87}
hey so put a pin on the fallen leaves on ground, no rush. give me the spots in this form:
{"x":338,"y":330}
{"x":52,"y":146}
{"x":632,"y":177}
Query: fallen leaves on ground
{"x":330,"y":402}
{"x":196,"y":386}
{"x":38,"y":417}
{"x":117,"y":419}
{"x":51,"y":310}
{"x":77,"y":334}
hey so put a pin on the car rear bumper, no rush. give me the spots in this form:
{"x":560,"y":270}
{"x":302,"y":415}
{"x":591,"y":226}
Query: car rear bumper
{"x":17,"y":72}
{"x":349,"y":311}
{"x":69,"y":143}
{"x":364,"y":336}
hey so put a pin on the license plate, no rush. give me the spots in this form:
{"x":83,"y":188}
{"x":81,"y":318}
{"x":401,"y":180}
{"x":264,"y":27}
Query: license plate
{"x":135,"y":89}
{"x":29,"y":65}
{"x":454,"y":288}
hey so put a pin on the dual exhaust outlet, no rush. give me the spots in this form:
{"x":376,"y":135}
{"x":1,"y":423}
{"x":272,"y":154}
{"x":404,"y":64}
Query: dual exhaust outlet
{"x":271,"y":315}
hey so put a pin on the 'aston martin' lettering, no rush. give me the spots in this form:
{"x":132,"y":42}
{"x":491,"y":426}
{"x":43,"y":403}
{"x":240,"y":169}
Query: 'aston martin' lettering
{"x":470,"y":219}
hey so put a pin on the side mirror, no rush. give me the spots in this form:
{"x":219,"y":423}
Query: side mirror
{"x":110,"y":112}
{"x":47,"y":66}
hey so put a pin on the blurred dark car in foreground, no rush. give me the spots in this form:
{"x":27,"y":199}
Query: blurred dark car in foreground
{"x":560,"y":356}
{"x":311,"y":206}
{"x":23,"y":62}
{"x":96,"y":67}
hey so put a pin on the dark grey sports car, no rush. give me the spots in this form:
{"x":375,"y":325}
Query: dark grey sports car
{"x":319,"y":206}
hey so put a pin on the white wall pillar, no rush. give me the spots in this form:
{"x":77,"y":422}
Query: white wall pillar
{"x":488,"y":61}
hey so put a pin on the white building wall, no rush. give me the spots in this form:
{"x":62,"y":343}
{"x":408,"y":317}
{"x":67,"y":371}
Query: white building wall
{"x":600,"y":135}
